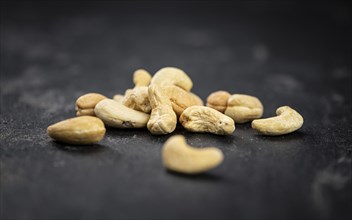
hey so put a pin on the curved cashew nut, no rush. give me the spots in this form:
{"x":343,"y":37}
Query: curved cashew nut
{"x":286,"y":121}
{"x":206,"y":119}
{"x":243,"y":108}
{"x":117,"y":115}
{"x":163,"y":118}
{"x":172,"y":76}
{"x":180,"y":157}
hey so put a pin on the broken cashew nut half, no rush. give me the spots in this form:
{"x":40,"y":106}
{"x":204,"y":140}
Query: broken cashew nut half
{"x":286,"y":121}
{"x":179,"y":157}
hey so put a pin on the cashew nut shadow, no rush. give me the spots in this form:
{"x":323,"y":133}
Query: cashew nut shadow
{"x":79,"y":149}
{"x":208,"y":177}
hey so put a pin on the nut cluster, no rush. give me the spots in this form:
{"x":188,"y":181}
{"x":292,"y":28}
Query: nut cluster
{"x":158,"y":103}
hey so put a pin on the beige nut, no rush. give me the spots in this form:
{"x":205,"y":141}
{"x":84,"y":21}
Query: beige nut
{"x":118,"y":98}
{"x":180,"y":98}
{"x":172,"y":76}
{"x":89,"y":100}
{"x":117,"y":115}
{"x":198,"y":100}
{"x":286,"y":121}
{"x":179,"y":157}
{"x":163,"y":119}
{"x":218,"y":100}
{"x":81,"y":130}
{"x":138,"y":99}
{"x":205,"y":119}
{"x":244,"y":108}
{"x":85,"y":104}
{"x":85,"y":112}
{"x":141,"y":77}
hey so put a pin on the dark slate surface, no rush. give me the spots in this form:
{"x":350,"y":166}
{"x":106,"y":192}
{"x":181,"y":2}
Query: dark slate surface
{"x":284,"y":53}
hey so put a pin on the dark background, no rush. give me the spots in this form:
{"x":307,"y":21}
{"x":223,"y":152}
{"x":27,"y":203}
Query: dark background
{"x":285,"y":53}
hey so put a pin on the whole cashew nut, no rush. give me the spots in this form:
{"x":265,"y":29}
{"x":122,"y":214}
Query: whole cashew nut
{"x":218,"y":100}
{"x":117,"y":115}
{"x":243,"y":108}
{"x":163,"y":119}
{"x":180,"y":98}
{"x":85,"y":104}
{"x":179,"y":157}
{"x":286,"y":121}
{"x":205,"y":119}
{"x":172,"y":76}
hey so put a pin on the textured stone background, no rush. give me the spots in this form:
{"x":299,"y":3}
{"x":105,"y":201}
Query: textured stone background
{"x":283,"y":53}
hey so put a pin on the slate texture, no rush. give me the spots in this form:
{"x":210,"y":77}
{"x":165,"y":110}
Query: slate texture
{"x":284,"y":53}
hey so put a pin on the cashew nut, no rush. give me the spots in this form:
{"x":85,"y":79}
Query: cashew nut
{"x":79,"y":130}
{"x":198,"y":100}
{"x":85,"y":112}
{"x":137,"y":99}
{"x":118,"y":98}
{"x":180,"y":98}
{"x":244,"y":108}
{"x":218,"y":100}
{"x":179,"y":157}
{"x":286,"y":121}
{"x":172,"y":76}
{"x":162,"y":119}
{"x":117,"y":115}
{"x":205,"y":119}
{"x":141,"y":77}
{"x":85,"y":104}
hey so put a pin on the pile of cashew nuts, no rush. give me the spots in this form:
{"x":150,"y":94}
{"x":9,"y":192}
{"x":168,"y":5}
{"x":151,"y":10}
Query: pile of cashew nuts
{"x":159,"y":102}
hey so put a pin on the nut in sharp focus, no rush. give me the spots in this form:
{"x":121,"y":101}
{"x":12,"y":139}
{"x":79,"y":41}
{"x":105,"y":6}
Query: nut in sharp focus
{"x":163,"y":119}
{"x":180,"y":98}
{"x":137,"y":99}
{"x":287,"y":120}
{"x":117,"y":115}
{"x":218,"y":100}
{"x":244,"y":108}
{"x":205,"y":119}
